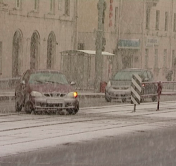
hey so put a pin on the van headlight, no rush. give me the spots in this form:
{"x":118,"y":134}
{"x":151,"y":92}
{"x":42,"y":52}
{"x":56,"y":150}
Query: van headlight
{"x":36,"y":94}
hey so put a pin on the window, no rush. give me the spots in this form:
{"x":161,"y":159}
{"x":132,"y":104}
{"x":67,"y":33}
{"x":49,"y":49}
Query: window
{"x":59,"y":4}
{"x":16,"y":54}
{"x":34,"y":50}
{"x":146,"y":58}
{"x":174,"y":22}
{"x":173,"y":58}
{"x":156,"y":58}
{"x":67,"y":7}
{"x":165,"y":59}
{"x":36,"y":4}
{"x":52,"y":6}
{"x":80,"y":46}
{"x":157,"y":19}
{"x":0,"y":57}
{"x":51,"y":50}
{"x":147,"y":18}
{"x":166,"y":21}
{"x":116,"y":17}
{"x":18,"y":4}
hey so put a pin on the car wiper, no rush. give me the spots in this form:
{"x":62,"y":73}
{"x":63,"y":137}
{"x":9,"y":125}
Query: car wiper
{"x":39,"y":81}
{"x":53,"y":82}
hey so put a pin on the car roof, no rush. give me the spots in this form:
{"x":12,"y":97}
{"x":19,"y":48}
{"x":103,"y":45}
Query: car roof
{"x":134,"y":69}
{"x":44,"y":70}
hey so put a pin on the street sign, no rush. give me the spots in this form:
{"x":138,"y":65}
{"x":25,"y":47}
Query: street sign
{"x":136,"y":90}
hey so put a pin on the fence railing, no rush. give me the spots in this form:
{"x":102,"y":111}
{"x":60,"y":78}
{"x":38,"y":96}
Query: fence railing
{"x":167,"y":88}
{"x":9,"y":83}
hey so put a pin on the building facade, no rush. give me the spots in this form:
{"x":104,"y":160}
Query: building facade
{"x":33,"y":33}
{"x":141,"y":33}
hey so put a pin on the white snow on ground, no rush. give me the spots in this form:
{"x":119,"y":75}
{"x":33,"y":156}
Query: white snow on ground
{"x":24,"y":133}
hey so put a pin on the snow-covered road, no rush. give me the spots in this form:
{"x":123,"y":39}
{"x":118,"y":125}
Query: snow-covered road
{"x":22,"y":133}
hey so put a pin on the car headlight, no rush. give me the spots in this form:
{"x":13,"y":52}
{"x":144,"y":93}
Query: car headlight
{"x":36,"y":94}
{"x":108,"y":84}
{"x":72,"y":94}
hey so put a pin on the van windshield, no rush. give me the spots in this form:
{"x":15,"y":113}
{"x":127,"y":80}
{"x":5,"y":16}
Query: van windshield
{"x":125,"y":75}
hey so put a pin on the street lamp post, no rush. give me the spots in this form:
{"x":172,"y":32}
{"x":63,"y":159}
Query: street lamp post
{"x":99,"y":39}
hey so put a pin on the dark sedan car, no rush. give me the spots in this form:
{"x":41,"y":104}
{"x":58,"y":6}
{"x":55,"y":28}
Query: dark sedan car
{"x":46,"y":90}
{"x":119,"y":87}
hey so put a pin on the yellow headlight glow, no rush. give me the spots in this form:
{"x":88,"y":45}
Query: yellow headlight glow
{"x":75,"y":94}
{"x":72,"y":94}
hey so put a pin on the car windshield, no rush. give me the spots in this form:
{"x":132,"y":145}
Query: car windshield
{"x":48,"y":77}
{"x":125,"y":75}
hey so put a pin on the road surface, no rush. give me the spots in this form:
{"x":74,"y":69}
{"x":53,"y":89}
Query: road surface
{"x":140,"y":148}
{"x":22,"y":133}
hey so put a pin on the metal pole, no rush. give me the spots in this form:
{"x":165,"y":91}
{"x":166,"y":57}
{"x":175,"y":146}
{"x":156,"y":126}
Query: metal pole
{"x":76,"y":25}
{"x":134,"y":108}
{"x":158,"y":103}
{"x":159,"y":94}
{"x":98,"y":55}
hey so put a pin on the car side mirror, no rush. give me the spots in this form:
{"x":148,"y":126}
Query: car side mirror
{"x":73,"y":83}
{"x":146,"y":79}
{"x":23,"y":82}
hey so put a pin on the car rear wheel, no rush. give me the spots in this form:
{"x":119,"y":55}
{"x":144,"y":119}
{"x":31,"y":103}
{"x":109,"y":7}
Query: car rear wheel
{"x":142,"y":100}
{"x":28,"y":107}
{"x":154,"y":98}
{"x":123,"y":100}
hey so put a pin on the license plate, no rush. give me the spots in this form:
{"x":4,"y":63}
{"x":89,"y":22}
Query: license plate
{"x":54,"y":101}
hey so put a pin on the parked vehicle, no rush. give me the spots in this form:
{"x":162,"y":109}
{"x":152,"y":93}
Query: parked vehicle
{"x":119,"y":87}
{"x":46,"y":90}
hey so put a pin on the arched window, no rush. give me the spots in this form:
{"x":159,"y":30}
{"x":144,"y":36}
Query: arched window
{"x":16,"y":52}
{"x":34,"y":51}
{"x":51,"y":50}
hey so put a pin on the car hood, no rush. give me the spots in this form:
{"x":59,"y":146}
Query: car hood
{"x":120,"y":83}
{"x":120,"y":87}
{"x":44,"y":88}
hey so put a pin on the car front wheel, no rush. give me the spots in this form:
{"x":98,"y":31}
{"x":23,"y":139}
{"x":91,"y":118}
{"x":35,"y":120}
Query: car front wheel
{"x":73,"y":111}
{"x":28,"y":107}
{"x":18,"y":106}
{"x":108,"y":99}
